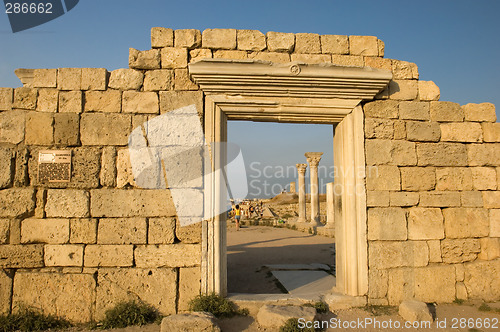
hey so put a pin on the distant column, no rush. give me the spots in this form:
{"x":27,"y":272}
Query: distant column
{"x":292,"y":187}
{"x":301,"y":171}
{"x":330,"y":205}
{"x":313,"y":159}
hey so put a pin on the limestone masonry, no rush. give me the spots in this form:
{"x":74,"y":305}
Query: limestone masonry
{"x":77,"y":248}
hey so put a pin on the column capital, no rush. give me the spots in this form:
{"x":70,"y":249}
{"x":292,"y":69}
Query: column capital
{"x":313,"y":158}
{"x":301,"y":168}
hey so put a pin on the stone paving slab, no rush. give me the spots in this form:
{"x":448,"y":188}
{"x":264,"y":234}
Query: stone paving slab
{"x":305,"y":282}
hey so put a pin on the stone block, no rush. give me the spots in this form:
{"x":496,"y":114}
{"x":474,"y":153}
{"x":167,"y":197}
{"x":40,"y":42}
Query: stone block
{"x":466,"y":222}
{"x":383,"y":178}
{"x":481,"y":280}
{"x":484,"y":112}
{"x":44,"y":78}
{"x":423,"y":131}
{"x":124,"y":174}
{"x":6,"y":98}
{"x":63,"y":255}
{"x":162,"y":37}
{"x":392,"y":254}
{"x":337,"y":301}
{"x":453,"y":178}
{"x":363,"y":45}
{"x":461,"y":291}
{"x":486,"y":154}
{"x":404,"y":70}
{"x":39,"y":128}
{"x":109,"y":101}
{"x":280,"y":42}
{"x":275,"y":57}
{"x":380,"y":152}
{"x":17,"y":202}
{"x":414,"y":110}
{"x":445,"y":111}
{"x":25,"y":98}
{"x":94,"y":78}
{"x":435,"y":283}
{"x":418,"y":178}
{"x":379,"y":128}
{"x":156,"y":287}
{"x":461,"y":132}
{"x":105,"y":129}
{"x":224,"y":39}
{"x":15,"y":231}
{"x":381,"y":48}
{"x":386,"y":224}
{"x":70,"y":101}
{"x":379,"y":63}
{"x":5,"y":292}
{"x":7,"y":163}
{"x":97,"y":255}
{"x":188,"y":38}
{"x":83,"y":230}
{"x":403,"y":198}
{"x":377,"y":281}
{"x":460,"y":272}
{"x":107,"y":175}
{"x":41,"y":200}
{"x":311,"y":58}
{"x":377,"y":198}
{"x":491,"y":199}
{"x":149,"y":59}
{"x":459,"y":250}
{"x":381,"y":109}
{"x":66,"y":129}
{"x":167,"y":255}
{"x":21,"y":256}
{"x":425,"y":224}
{"x":199,"y":54}
{"x":156,"y":80}
{"x":188,"y":233}
{"x":200,"y":321}
{"x":415,"y":311}
{"x":234,"y":55}
{"x":307,"y":43}
{"x":403,"y":89}
{"x":172,"y":100}
{"x":12,"y":125}
{"x":189,"y":286}
{"x":131,"y":203}
{"x":4,"y":231}
{"x":347,"y":60}
{"x":52,"y":231}
{"x":273,"y":316}
{"x":47,"y":100}
{"x":428,"y":90}
{"x":334,"y":44}
{"x":490,"y":248}
{"x":69,"y":78}
{"x":442,"y":154}
{"x":67,"y":203}
{"x":435,"y":251}
{"x":472,"y":199}
{"x":140,"y":102}
{"x":250,"y":40}
{"x":491,"y":132}
{"x":440,"y":199}
{"x":126,"y":79}
{"x":495,"y":223}
{"x":182,"y":80}
{"x":161,"y":230}
{"x":484,"y":178}
{"x":122,"y":231}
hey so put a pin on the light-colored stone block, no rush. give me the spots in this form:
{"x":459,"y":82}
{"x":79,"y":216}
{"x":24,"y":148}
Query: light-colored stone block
{"x":442,"y":154}
{"x":379,"y":63}
{"x":63,"y":255}
{"x":481,"y":280}
{"x":347,"y":60}
{"x":94,"y":78}
{"x":156,"y":80}
{"x":484,"y":178}
{"x":380,"y":152}
{"x":6,"y":98}
{"x":53,"y":231}
{"x":459,"y":250}
{"x":66,"y":129}
{"x":167,"y":255}
{"x":172,"y":57}
{"x":386,"y":224}
{"x":39,"y":128}
{"x":453,"y":178}
{"x":334,"y":44}
{"x":461,"y":291}
{"x":149,"y":59}
{"x":109,"y":101}
{"x":415,"y":311}
{"x":189,"y":286}
{"x":83,"y":230}
{"x":382,"y":109}
{"x":403,"y":89}
{"x":377,"y":283}
{"x":404,"y":70}
{"x":423,"y":131}
{"x":21,"y":256}
{"x":4,"y":231}
{"x":273,"y":316}
{"x":402,"y":198}
{"x":275,"y":57}
{"x":466,"y":222}
{"x":17,"y":202}
{"x":280,"y":42}
{"x":440,"y":199}
{"x":472,"y":199}
{"x":484,"y":112}
{"x":105,"y":129}
{"x":67,"y":203}
{"x":188,"y":38}
{"x":126,"y":79}
{"x":69,"y":78}
{"x":140,"y":102}
{"x":97,"y":255}
{"x":182,"y":80}
{"x":383,"y":178}
{"x":311,"y":58}
{"x":418,"y":178}
{"x":44,"y":78}
{"x":25,"y":98}
{"x":428,"y":90}
{"x":495,"y":222}
{"x":490,"y":248}
{"x":224,"y":39}
{"x":392,"y":254}
{"x":491,"y":132}
{"x":250,"y":40}
{"x":435,"y":251}
{"x":161,"y":230}
{"x":425,"y":224}
{"x":307,"y":43}
{"x":107,"y":175}
{"x":381,"y":48}
{"x":162,"y":37}
{"x":172,"y":100}
{"x":379,"y":128}
{"x":47,"y":100}
{"x":188,"y":234}
{"x":435,"y":283}
{"x":7,"y":161}
{"x":363,"y":45}
{"x":199,"y":54}
{"x":5,"y":293}
{"x":486,"y":154}
{"x":122,"y":231}
{"x":414,"y":110}
{"x":461,"y":132}
{"x":12,"y":125}
{"x":491,"y":199}
{"x":445,"y":111}
{"x":70,"y":101}
{"x":231,"y":54}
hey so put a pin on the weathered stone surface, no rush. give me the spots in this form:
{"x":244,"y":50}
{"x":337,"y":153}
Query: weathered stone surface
{"x":122,"y":231}
{"x":491,"y":199}
{"x":6,"y":98}
{"x":188,"y":38}
{"x":403,"y":89}
{"x":383,"y":178}
{"x":94,"y":78}
{"x":428,"y":90}
{"x":182,"y":80}
{"x":126,"y":79}
{"x":7,"y":163}
{"x":156,"y":80}
{"x":379,"y":128}
{"x":66,"y":129}
{"x":194,"y":321}
{"x":63,"y":255}
{"x":484,"y":112}
{"x":403,"y":198}
{"x":12,"y":124}
{"x":199,"y":53}
{"x":172,"y":57}
{"x":167,"y":255}
{"x":17,"y":202}
{"x":83,"y":230}
{"x":231,"y":54}
{"x":490,"y":248}
{"x":97,"y":255}
{"x":162,"y":37}
{"x":481,"y":280}
{"x":161,"y":230}
{"x":381,"y":109}
{"x":188,"y":234}
{"x":442,"y":154}
{"x":69,"y":78}
{"x":54,"y":231}
{"x":250,"y":40}
{"x":377,"y":198}
{"x":459,"y":250}
{"x":307,"y":43}
{"x":105,"y":129}
{"x":39,"y":128}
{"x":425,"y":224}
{"x":434,"y":251}
{"x":21,"y":256}
{"x":15,"y":231}
{"x":25,"y":98}
{"x":103,"y":101}
{"x":338,"y":301}
{"x":453,"y":178}
{"x":491,"y":132}
{"x":484,"y":178}
{"x":67,"y":203}
{"x":335,"y":44}
{"x":382,"y":152}
{"x":311,"y":58}
{"x":140,"y":102}
{"x":461,"y":132}
{"x":275,"y":57}
{"x":47,"y":100}
{"x":414,"y":311}
{"x":414,"y":110}
{"x":280,"y":41}
{"x":377,"y":281}
{"x":133,"y":203}
{"x":380,"y":63}
{"x":495,"y":223}
{"x":347,"y":60}
{"x":390,"y":254}
{"x":224,"y":39}
{"x":189,"y":286}
{"x":66,"y":295}
{"x":440,"y":199}
{"x":466,"y":222}
{"x":404,"y":70}
{"x":363,"y":45}
{"x":149,"y":59}
{"x":4,"y":231}
{"x":472,"y":199}
{"x":107,"y":176}
{"x":124,"y":174}
{"x":172,"y":100}
{"x":44,"y":78}
{"x":5,"y":292}
{"x":423,"y":131}
{"x":445,"y":111}
{"x":274,"y":316}
{"x":486,"y":154}
{"x":387,"y":224}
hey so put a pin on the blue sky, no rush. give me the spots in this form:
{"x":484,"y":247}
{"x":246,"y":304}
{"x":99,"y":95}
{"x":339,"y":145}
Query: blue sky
{"x":455,"y":43}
